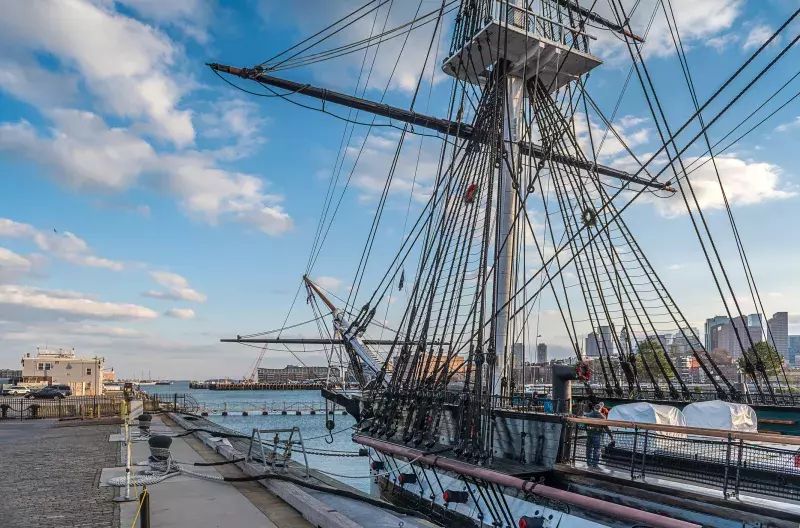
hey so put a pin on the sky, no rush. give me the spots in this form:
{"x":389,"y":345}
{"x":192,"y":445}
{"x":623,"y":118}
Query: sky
{"x":148,"y":209}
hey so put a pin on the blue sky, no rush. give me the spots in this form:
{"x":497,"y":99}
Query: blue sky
{"x":148,"y":209}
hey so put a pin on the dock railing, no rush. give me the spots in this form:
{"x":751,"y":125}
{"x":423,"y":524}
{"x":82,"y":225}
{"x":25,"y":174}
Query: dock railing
{"x":727,"y":461}
{"x":21,"y":408}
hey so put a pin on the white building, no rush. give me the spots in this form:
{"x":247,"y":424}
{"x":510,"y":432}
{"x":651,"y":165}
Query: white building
{"x":83,"y":375}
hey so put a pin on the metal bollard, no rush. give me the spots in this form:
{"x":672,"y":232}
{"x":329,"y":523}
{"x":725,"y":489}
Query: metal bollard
{"x":144,"y":424}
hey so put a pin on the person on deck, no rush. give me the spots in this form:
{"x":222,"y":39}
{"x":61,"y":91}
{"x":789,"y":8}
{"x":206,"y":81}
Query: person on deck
{"x":594,"y":435}
{"x":547,"y":403}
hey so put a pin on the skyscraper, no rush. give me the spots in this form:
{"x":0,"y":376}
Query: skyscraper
{"x":519,"y":354}
{"x":779,"y":330}
{"x":736,"y":336}
{"x":591,"y":349}
{"x":755,"y":320}
{"x":794,"y":348}
{"x":711,"y":324}
{"x":541,"y":353}
{"x":606,"y":342}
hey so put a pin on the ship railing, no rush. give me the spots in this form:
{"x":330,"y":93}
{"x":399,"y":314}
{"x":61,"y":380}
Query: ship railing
{"x":519,"y":402}
{"x":544,"y":18}
{"x":726,"y":461}
{"x":695,"y":395}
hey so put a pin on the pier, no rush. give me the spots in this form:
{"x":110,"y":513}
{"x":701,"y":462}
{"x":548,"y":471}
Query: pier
{"x":225,"y":386}
{"x":240,"y":408}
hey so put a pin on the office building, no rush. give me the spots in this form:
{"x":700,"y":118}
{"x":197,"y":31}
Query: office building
{"x":779,"y":332}
{"x":755,"y":320}
{"x":518,"y":350}
{"x":606,"y":342}
{"x":685,"y":342}
{"x":711,"y":325}
{"x":603,"y":346}
{"x":735,"y":336}
{"x":794,"y":348}
{"x":541,"y":353}
{"x":591,"y":349}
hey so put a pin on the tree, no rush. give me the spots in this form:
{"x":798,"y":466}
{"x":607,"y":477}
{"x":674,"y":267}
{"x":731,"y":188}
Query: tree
{"x":651,"y":352}
{"x":768,"y":355}
{"x":720,"y":356}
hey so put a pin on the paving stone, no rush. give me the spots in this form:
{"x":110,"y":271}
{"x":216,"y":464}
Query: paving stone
{"x":49,"y":476}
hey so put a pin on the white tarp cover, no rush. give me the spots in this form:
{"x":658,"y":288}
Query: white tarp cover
{"x":643,"y":412}
{"x":717,"y":414}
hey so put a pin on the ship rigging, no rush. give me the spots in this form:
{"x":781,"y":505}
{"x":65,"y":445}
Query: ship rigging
{"x":510,"y":145}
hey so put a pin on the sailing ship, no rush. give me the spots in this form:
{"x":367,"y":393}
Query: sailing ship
{"x":443,"y":407}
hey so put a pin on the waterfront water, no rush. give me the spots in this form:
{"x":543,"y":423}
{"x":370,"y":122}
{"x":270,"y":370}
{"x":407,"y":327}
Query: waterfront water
{"x":312,"y":427}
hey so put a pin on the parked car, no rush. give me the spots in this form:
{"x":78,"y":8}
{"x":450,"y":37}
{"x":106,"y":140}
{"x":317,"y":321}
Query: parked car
{"x":66,"y":390}
{"x":16,"y":390}
{"x":47,"y":393}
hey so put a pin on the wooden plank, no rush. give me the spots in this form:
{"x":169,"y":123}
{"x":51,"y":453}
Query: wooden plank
{"x":776,"y":422}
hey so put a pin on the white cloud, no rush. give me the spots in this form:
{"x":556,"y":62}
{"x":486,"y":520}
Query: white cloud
{"x":29,"y":82}
{"x":190,"y":16}
{"x":24,"y":302}
{"x":758,"y":35}
{"x":785,"y":127}
{"x":745,"y":183}
{"x":237,"y":120}
{"x":12,"y":266}
{"x":83,"y":151}
{"x":612,"y":150}
{"x":697,"y":20}
{"x":177,"y":288}
{"x":310,"y":15}
{"x":180,"y":313}
{"x":129,"y":65}
{"x":375,"y":160}
{"x":329,"y":283}
{"x":64,"y":246}
{"x":676,"y":267}
{"x":208,"y":192}
{"x":721,"y":42}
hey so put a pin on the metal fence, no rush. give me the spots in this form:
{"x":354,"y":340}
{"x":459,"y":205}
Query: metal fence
{"x":20,"y":408}
{"x":728,"y":464}
{"x":171,"y":402}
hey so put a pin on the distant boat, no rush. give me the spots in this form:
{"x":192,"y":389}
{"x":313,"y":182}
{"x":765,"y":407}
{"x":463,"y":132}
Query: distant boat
{"x":148,"y":381}
{"x":163,"y":382}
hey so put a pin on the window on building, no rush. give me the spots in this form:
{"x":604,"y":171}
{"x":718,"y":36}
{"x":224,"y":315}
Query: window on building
{"x":88,"y":372}
{"x":45,"y":366}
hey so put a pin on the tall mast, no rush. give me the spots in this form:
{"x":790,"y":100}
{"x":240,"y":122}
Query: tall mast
{"x":506,"y":243}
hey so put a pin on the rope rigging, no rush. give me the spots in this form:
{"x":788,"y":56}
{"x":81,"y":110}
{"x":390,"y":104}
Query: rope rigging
{"x":446,"y":347}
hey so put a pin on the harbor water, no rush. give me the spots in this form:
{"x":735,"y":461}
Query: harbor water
{"x":312,"y":427}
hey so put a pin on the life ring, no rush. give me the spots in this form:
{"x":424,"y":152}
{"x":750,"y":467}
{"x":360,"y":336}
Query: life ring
{"x":583,"y":372}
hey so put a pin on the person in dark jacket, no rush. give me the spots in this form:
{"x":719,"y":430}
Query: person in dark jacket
{"x":594,"y":436}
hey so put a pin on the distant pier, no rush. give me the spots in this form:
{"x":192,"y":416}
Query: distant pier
{"x":254,"y":386}
{"x":240,"y":408}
